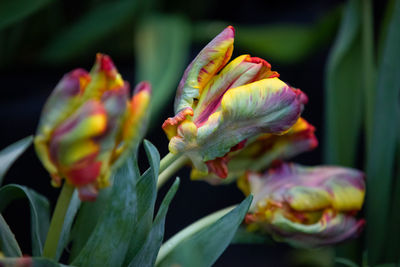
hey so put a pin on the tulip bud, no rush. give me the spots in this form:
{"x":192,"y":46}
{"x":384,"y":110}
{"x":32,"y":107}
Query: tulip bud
{"x":87,"y":124}
{"x":220,"y":105}
{"x":305,"y":206}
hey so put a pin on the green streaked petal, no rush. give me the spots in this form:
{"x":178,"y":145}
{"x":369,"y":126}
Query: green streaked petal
{"x":266,"y":106}
{"x":208,"y":62}
{"x":240,"y":71}
{"x":63,"y":100}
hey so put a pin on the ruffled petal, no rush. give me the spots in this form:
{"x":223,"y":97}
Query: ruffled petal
{"x":240,"y":71}
{"x":266,"y":106}
{"x":331,"y":228}
{"x":170,"y":125}
{"x":208,"y":62}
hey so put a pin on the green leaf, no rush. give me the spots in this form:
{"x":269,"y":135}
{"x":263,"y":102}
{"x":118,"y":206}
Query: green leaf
{"x":88,"y":216}
{"x":39,"y":212}
{"x":66,"y":229}
{"x":26,"y":261}
{"x":161,"y":50}
{"x":203,"y":242}
{"x":382,"y":147}
{"x":343,"y":88}
{"x":9,"y":154}
{"x":149,"y":250}
{"x":97,"y":23}
{"x":8,"y":244}
{"x":146,"y":197}
{"x":12,"y":11}
{"x":110,"y":239}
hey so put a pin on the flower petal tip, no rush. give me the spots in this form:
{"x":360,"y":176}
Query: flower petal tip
{"x":143,"y":86}
{"x":106,"y":65}
{"x":230,"y":27}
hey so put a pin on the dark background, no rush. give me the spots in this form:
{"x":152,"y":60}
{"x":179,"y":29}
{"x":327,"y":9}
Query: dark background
{"x":26,"y":82}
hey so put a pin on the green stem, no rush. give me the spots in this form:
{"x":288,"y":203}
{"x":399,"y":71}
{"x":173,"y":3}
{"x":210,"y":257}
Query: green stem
{"x":167,"y":160}
{"x":57,"y":221}
{"x":170,"y":170}
{"x":192,"y":229}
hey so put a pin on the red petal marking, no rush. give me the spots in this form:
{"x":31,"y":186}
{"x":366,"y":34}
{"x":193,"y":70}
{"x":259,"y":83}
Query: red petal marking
{"x":258,"y":60}
{"x":265,"y":71}
{"x":239,"y":146}
{"x":219,"y":166}
{"x":170,"y":125}
{"x":84,"y":174}
{"x":301,"y":96}
{"x":142,"y":86}
{"x":232,"y":28}
{"x":250,"y":218}
{"x":106,"y":64}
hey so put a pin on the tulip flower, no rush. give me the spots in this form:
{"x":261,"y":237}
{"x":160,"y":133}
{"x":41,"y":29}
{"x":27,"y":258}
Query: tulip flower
{"x":259,"y":152}
{"x":88,"y":125}
{"x":219,"y":105}
{"x":305,"y":206}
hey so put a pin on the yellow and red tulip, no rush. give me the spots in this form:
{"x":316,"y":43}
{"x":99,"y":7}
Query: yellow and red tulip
{"x":259,"y":152}
{"x":219,"y":106}
{"x":88,"y":125}
{"x":305,"y":206}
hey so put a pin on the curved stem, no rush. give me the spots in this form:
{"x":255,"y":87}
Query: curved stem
{"x":167,"y":160}
{"x":192,"y":229}
{"x":57,"y":221}
{"x":170,"y":170}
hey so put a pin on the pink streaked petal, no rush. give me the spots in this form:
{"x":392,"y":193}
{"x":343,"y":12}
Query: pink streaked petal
{"x":208,"y":62}
{"x":266,"y":106}
{"x":242,"y":70}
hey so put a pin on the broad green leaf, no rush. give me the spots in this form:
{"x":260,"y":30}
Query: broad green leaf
{"x":26,"y":261}
{"x":69,"y":218}
{"x":86,"y":220}
{"x":97,"y":23}
{"x":146,"y":197}
{"x":8,"y":244}
{"x":110,"y":239}
{"x":9,"y":154}
{"x":284,"y":43}
{"x":12,"y":11}
{"x":39,"y":206}
{"x":201,"y":246}
{"x":147,"y":254}
{"x":161,"y":50}
{"x":343,"y":91}
{"x":382,"y":148}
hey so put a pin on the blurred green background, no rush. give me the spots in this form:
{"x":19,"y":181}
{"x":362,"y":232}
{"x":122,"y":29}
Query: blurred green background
{"x":343,"y":54}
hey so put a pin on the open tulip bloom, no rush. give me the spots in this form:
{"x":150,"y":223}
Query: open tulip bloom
{"x":219,"y":105}
{"x":234,"y":119}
